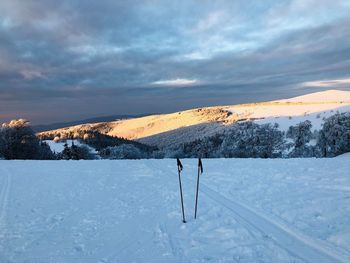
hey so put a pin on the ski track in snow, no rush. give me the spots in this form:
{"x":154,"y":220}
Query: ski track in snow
{"x":284,"y":237}
{"x":4,"y":196}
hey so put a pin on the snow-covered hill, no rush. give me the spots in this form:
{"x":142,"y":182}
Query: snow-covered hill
{"x":176,"y":128}
{"x":314,"y":107}
{"x":324,"y":96}
{"x":250,"y":210}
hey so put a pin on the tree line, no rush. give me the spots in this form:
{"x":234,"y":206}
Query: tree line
{"x":240,"y":140}
{"x":250,"y":140}
{"x":18,"y":141}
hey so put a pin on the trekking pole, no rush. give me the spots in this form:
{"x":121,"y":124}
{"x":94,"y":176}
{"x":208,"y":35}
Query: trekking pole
{"x":200,"y":171}
{"x":179,"y":169}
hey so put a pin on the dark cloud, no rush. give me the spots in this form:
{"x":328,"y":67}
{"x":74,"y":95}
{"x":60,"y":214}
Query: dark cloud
{"x":62,"y":60}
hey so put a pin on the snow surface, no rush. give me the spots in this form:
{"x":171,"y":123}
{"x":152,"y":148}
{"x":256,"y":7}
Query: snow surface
{"x":317,"y":118}
{"x":314,"y":107}
{"x":250,"y":210}
{"x":344,"y":155}
{"x":323,"y":96}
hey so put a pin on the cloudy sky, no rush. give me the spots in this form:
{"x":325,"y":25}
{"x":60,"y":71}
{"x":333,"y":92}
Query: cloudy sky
{"x":72,"y":59}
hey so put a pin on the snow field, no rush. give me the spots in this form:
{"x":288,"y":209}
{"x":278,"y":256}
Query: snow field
{"x":250,"y":210}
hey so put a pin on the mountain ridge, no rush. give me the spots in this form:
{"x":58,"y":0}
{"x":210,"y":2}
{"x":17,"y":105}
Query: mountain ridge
{"x":180,"y":127}
{"x":58,"y":125}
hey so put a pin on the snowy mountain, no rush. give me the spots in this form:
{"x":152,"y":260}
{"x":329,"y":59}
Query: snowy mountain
{"x":314,"y":107}
{"x":185,"y":126}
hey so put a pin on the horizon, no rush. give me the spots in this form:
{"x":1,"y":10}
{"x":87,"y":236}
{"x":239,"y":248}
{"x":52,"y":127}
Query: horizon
{"x":91,"y":120}
{"x":64,"y":61}
{"x":94,"y":119}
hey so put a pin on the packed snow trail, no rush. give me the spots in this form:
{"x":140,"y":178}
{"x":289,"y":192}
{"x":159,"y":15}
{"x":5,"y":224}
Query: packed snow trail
{"x":5,"y":180}
{"x":284,"y":237}
{"x":4,"y":195}
{"x":290,"y":240}
{"x":5,"y":191}
{"x":129,"y":211}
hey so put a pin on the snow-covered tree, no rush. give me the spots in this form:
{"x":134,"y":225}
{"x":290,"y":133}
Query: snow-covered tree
{"x":18,"y":141}
{"x":250,"y":140}
{"x":301,"y":135}
{"x":124,"y":151}
{"x":75,"y":152}
{"x":86,"y":136}
{"x":205,"y":148}
{"x":242,"y":140}
{"x":334,"y":137}
{"x":45,"y":152}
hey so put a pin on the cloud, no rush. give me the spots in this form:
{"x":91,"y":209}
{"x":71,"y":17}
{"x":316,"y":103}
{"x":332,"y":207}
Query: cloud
{"x":66,"y":53}
{"x":31,"y":74}
{"x":210,"y":21}
{"x":334,"y":83}
{"x":176,"y":82}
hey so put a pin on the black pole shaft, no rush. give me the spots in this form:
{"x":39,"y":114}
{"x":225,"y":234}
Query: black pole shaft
{"x":182,"y":200}
{"x":195,"y":209}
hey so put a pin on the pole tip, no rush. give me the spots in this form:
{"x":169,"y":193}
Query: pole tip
{"x":183,"y":221}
